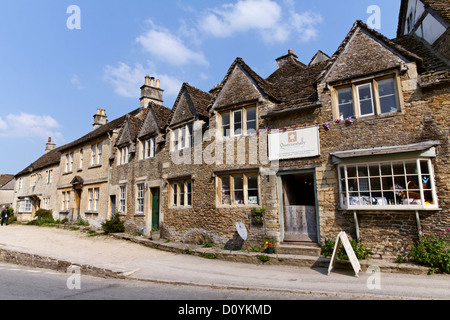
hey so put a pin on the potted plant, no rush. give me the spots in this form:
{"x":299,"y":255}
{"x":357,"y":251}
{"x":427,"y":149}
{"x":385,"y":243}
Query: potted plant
{"x":269,"y":246}
{"x":257,"y":216}
{"x":156,"y":234}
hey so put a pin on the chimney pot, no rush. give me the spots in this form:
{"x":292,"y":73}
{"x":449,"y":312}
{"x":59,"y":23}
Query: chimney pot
{"x":290,"y":51}
{"x":147,"y":80}
{"x":152,"y":82}
{"x":157,"y":83}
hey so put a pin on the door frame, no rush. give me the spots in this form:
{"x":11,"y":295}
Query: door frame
{"x":150,"y":213}
{"x":281,"y":199}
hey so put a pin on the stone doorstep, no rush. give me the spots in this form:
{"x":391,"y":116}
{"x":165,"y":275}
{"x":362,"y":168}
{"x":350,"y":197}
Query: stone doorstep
{"x":299,"y":248}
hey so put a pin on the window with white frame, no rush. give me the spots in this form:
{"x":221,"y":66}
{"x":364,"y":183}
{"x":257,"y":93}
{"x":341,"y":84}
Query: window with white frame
{"x":69,"y":162}
{"x":140,"y":197}
{"x":402,"y":184}
{"x":80,"y":166}
{"x":123,"y":199}
{"x":96,"y":154}
{"x":183,"y":138}
{"x":238,"y":189}
{"x":46,"y":203}
{"x":377,"y":96}
{"x":49,"y":176}
{"x":148,"y":148}
{"x":181,"y":194}
{"x":94,"y":197}
{"x":65,"y":203}
{"x":26,"y":205}
{"x":124,"y":155}
{"x":238,"y":122}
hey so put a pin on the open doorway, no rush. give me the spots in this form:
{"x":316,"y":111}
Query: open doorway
{"x":299,"y":207}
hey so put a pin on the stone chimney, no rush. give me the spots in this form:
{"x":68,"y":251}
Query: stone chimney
{"x":100,"y":119}
{"x":50,"y":145}
{"x":283,"y":59}
{"x":151,"y":92}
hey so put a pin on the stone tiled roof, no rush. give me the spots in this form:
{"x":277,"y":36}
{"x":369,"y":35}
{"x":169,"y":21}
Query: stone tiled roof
{"x":103,"y":130}
{"x":156,"y":119}
{"x":5,"y":178}
{"x":197,"y":100}
{"x":431,"y":60}
{"x":51,"y":158}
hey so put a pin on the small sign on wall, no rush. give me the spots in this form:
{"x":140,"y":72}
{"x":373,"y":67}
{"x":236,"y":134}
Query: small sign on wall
{"x":301,"y":143}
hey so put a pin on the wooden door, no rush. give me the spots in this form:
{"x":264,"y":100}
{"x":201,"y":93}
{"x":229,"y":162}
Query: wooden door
{"x":155,"y":207}
{"x":300,"y":223}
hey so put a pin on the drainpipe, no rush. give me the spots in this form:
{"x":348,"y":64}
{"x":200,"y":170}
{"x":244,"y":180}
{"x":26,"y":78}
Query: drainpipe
{"x":355,"y":217}
{"x":109,"y":176}
{"x":419,"y":228}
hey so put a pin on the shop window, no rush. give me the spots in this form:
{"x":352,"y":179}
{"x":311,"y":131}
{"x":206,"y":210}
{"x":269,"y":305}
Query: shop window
{"x":405,"y":184}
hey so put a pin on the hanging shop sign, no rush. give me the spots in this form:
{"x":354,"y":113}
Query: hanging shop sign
{"x":301,"y":143}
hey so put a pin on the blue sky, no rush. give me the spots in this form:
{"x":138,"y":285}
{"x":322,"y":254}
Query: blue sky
{"x":53,"y":79}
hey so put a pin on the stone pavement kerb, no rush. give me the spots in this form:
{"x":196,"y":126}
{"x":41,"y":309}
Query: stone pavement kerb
{"x":124,"y":256}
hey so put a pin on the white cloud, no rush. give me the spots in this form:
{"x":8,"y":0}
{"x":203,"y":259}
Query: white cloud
{"x":75,"y":81}
{"x":30,"y":126}
{"x":127,"y":80}
{"x":165,"y":46}
{"x":273,"y":22}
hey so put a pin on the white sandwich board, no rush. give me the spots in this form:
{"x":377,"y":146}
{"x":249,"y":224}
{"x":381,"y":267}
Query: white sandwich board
{"x":342,"y":237}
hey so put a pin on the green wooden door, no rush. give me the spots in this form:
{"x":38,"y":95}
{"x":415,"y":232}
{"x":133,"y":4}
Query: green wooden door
{"x":155,"y":208}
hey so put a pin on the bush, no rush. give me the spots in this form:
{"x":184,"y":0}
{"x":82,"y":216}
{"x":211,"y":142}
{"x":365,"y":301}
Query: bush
{"x":432,"y":251}
{"x":361,"y":252}
{"x":42,"y":213}
{"x":115,"y":225}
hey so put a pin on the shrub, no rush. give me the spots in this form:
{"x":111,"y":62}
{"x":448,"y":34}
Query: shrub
{"x":361,"y":252}
{"x":42,"y":217}
{"x":115,"y":225}
{"x":432,"y":250}
{"x":42,"y":213}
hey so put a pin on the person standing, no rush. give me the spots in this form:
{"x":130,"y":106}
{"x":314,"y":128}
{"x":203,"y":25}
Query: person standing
{"x":4,"y":215}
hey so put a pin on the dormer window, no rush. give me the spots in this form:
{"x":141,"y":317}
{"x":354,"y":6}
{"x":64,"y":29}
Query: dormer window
{"x":374,"y":97}
{"x":238,"y":122}
{"x":124,"y":155}
{"x":183,"y":138}
{"x":148,"y":148}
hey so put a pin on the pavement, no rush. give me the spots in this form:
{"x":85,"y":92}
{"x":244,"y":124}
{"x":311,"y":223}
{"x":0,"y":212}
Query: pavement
{"x":123,"y":256}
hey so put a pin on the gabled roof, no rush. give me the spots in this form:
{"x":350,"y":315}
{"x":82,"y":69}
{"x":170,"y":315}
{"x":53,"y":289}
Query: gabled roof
{"x":129,"y":130}
{"x":191,"y":103}
{"x":5,"y":178}
{"x":370,"y":63}
{"x":263,"y":86}
{"x":156,"y":119}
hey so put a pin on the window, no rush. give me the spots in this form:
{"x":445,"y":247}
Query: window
{"x":81,"y":160}
{"x":94,"y":197}
{"x":26,"y":205}
{"x":140,"y":197}
{"x":20,"y":183}
{"x":49,"y":176}
{"x":388,"y":98}
{"x":405,"y":184}
{"x":239,"y":189}
{"x":96,"y":150}
{"x":65,"y":203}
{"x":183,"y":138}
{"x":181,"y":194}
{"x":378,"y":96}
{"x":365,"y":99}
{"x":148,"y":148}
{"x":124,"y":156}
{"x":239,"y":122}
{"x":69,"y":163}
{"x":46,"y":203}
{"x":122,"y":199}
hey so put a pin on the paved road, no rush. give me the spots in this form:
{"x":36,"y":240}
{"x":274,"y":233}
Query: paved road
{"x":24,"y":283}
{"x":143,"y":263}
